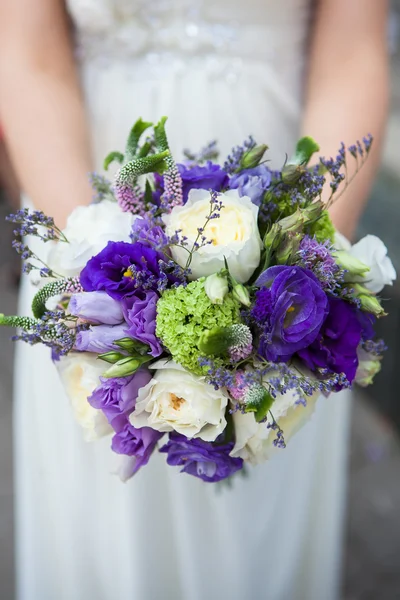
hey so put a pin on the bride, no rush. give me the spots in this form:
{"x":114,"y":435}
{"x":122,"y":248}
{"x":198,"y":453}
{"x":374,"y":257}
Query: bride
{"x":73,"y":78}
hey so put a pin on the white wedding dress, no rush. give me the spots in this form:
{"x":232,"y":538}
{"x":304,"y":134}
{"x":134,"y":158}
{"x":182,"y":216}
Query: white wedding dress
{"x":219,"y":69}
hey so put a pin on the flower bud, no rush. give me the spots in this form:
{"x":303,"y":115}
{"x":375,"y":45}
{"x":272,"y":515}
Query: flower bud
{"x":240,"y":293}
{"x":288,"y":248}
{"x":253,"y":157}
{"x":216,"y":287}
{"x":126,"y":366}
{"x":258,"y":400}
{"x":313,"y":211}
{"x":292,"y":173}
{"x":273,"y":237}
{"x":294,"y":222}
{"x":132,"y":346}
{"x":369,"y":302}
{"x":368,"y":366}
{"x":351,"y":264}
{"x":111,"y":357}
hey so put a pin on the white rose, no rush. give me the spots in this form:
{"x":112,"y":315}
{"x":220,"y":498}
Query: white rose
{"x":372,"y":251}
{"x":80,"y":373}
{"x":234,"y":234}
{"x":88,"y":230}
{"x":254,"y":441}
{"x":176,"y":400}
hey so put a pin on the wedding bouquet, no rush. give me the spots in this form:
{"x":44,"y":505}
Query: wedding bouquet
{"x":203,"y":308}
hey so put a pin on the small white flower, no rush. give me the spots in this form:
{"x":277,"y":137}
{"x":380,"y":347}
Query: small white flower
{"x":88,"y":231}
{"x":80,"y":373}
{"x":216,"y":287}
{"x":176,"y":400}
{"x":234,"y":234}
{"x":254,"y":441}
{"x":372,"y":251}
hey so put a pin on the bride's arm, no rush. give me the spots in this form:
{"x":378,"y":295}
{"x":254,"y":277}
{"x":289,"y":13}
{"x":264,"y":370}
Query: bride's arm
{"x":347,"y":92}
{"x":41,"y":109}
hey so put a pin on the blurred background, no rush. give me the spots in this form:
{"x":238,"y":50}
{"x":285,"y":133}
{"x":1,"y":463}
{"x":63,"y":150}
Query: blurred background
{"x":372,"y":540}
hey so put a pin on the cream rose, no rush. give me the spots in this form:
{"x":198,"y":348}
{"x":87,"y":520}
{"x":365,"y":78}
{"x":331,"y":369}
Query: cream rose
{"x":80,"y":373}
{"x":88,"y":230}
{"x":234,"y":234}
{"x":254,"y":441}
{"x":176,"y":400}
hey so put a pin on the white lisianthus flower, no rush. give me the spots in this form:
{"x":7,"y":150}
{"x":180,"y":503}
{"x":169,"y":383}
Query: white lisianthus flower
{"x":373,"y":252}
{"x":255,"y":442}
{"x":234,"y":234}
{"x":176,"y":400}
{"x":80,"y":373}
{"x":368,"y":366}
{"x":88,"y":231}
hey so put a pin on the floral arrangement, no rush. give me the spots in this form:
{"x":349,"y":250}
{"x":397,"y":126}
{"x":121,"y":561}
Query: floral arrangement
{"x":202,"y":309}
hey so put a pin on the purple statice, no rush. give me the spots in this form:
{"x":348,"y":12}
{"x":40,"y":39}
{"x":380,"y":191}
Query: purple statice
{"x":207,"y":177}
{"x":102,"y":188}
{"x":279,"y":441}
{"x":299,"y":307}
{"x":317,"y":257}
{"x":334,"y":167}
{"x":210,"y":462}
{"x":99,"y":338}
{"x":116,"y":397}
{"x":335,"y":347}
{"x":252,"y":183}
{"x":147,"y":232}
{"x":121,"y":268}
{"x":96,"y":307}
{"x":209,"y":152}
{"x":376,"y":348}
{"x":138,"y":444}
{"x":233,"y":161}
{"x":140,"y":312}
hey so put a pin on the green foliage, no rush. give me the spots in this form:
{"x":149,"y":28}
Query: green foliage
{"x":322,"y":229}
{"x":160,"y":135}
{"x":258,"y":401}
{"x":134,"y":136}
{"x":118,"y":156}
{"x":305,"y":148}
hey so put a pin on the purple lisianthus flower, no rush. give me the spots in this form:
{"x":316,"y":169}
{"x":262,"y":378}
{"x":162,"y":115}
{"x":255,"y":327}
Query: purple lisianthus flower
{"x":208,"y":461}
{"x":96,"y":307}
{"x":140,"y":312}
{"x":120,"y":268}
{"x":335,"y":347}
{"x":145,"y":231}
{"x":116,"y":397}
{"x":208,"y":177}
{"x":136,"y":443}
{"x":99,"y":338}
{"x":252,"y":183}
{"x":290,"y":317}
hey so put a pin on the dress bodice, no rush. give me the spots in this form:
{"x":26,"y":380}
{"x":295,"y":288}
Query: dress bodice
{"x":256,"y":29}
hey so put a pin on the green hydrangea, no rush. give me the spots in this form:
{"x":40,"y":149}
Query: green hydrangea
{"x":183,"y":313}
{"x":322,"y":229}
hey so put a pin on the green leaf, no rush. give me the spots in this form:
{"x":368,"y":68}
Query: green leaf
{"x":260,"y":403}
{"x":160,"y":135}
{"x":144,"y":150}
{"x":305,"y":148}
{"x":118,"y":156}
{"x":134,"y":136}
{"x":148,"y":193}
